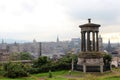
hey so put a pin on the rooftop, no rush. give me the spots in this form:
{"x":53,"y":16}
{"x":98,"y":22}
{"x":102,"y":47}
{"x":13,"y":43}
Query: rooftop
{"x":89,"y":24}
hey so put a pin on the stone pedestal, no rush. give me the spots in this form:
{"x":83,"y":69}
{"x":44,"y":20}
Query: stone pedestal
{"x":91,"y":65}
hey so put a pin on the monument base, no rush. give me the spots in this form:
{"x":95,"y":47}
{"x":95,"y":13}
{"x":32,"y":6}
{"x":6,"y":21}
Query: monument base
{"x":90,"y":65}
{"x":91,"y":62}
{"x":88,"y":68}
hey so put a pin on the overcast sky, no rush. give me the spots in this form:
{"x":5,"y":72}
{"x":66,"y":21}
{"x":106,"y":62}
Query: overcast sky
{"x":44,"y":20}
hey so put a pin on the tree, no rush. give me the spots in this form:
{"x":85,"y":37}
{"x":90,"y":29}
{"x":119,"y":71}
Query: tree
{"x":42,"y":60}
{"x":21,"y":56}
{"x":25,"y":56}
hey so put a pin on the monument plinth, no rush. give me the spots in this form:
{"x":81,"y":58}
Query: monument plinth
{"x":90,"y":58}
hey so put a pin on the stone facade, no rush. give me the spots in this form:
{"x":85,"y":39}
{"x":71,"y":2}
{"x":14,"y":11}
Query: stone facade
{"x":4,"y":55}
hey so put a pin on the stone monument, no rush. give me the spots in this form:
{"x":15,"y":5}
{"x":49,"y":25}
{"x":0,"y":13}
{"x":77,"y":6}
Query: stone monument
{"x":90,"y":58}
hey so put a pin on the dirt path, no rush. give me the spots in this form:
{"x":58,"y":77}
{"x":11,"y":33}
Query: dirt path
{"x":41,"y":79}
{"x":72,"y":76}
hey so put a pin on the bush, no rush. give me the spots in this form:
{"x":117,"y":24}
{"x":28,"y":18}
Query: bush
{"x":44,"y":64}
{"x":33,"y":70}
{"x":42,"y":60}
{"x":14,"y":70}
{"x":1,"y":70}
{"x":107,"y":58}
{"x":50,"y":74}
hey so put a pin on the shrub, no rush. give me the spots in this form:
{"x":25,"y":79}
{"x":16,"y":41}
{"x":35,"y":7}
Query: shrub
{"x":1,"y":70}
{"x":14,"y":70}
{"x":42,"y":60}
{"x":107,"y":58}
{"x":44,"y":64}
{"x":50,"y":74}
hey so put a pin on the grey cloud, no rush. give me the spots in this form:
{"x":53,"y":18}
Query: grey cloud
{"x":104,"y":16}
{"x":106,"y":11}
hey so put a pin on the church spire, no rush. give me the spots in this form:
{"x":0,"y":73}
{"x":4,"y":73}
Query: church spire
{"x":57,"y":39}
{"x":109,"y":47}
{"x":109,"y":44}
{"x":34,"y":41}
{"x":2,"y":41}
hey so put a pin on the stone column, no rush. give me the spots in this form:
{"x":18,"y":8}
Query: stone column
{"x":81,"y":41}
{"x":97,"y":41}
{"x":101,"y":68}
{"x":88,"y":41}
{"x":110,"y":67}
{"x":84,"y":68}
{"x":84,"y":41}
{"x":93,"y":36}
{"x":72,"y":64}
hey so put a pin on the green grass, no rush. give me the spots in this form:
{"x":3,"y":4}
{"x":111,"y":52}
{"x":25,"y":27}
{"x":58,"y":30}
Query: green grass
{"x":54,"y":73}
{"x":112,"y":78}
{"x":27,"y":78}
{"x":75,"y":75}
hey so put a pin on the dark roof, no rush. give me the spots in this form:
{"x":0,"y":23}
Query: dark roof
{"x":89,"y":25}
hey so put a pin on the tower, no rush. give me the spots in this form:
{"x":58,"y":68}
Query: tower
{"x":90,"y":58}
{"x":57,"y":39}
{"x":40,"y":48}
{"x":109,"y":47}
{"x":100,"y":43}
{"x":34,"y":41}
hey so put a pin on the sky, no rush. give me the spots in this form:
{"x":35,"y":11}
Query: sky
{"x":44,"y":20}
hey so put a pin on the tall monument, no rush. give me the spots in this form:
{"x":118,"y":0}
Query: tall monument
{"x":90,"y":58}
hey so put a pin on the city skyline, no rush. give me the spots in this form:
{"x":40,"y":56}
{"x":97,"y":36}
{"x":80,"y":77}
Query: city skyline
{"x":43,"y":20}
